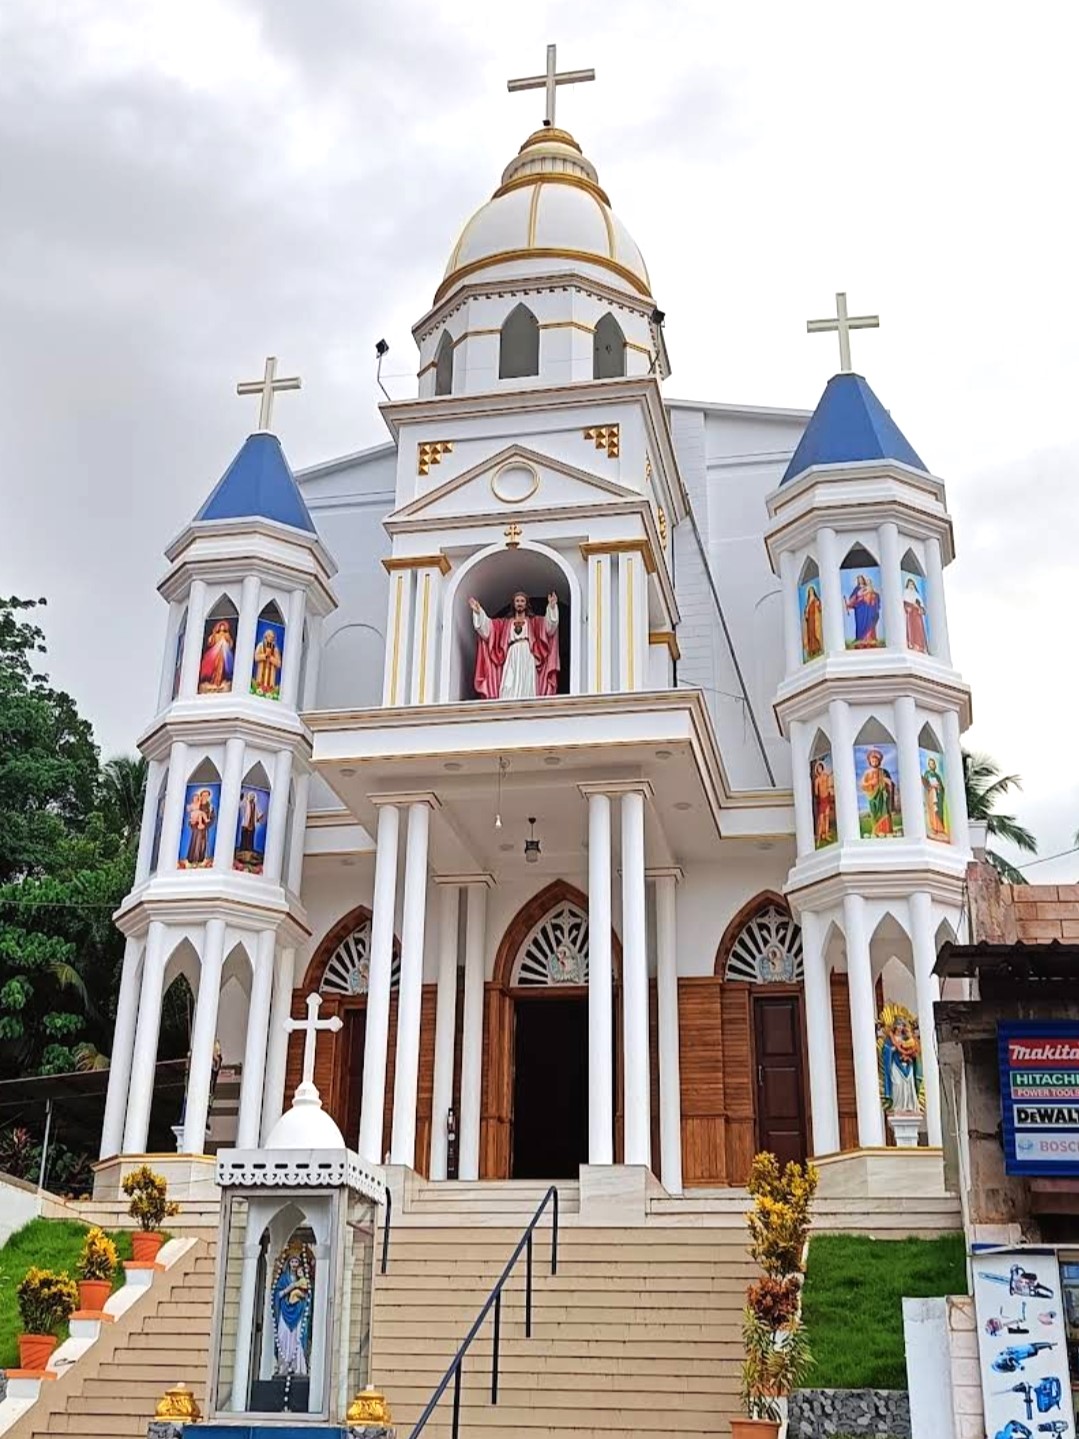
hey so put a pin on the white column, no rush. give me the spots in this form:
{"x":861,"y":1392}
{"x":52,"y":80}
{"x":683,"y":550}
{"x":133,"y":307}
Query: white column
{"x":636,"y":1069}
{"x":398,"y":624}
{"x":290,"y":669}
{"x":245,"y":1321}
{"x":250,"y":604}
{"x":956,"y":789}
{"x":123,"y":1042}
{"x":863,"y":1023}
{"x":846,"y":795}
{"x":670,"y":1081}
{"x":831,"y":591}
{"x":301,"y":792}
{"x":425,"y":630}
{"x":277,"y":818}
{"x":820,"y":1040}
{"x":895,"y":627}
{"x":792,"y":612}
{"x":273,"y":1102}
{"x":939,"y":643}
{"x":598,"y":634}
{"x":258,"y":1024}
{"x":376,"y":1037}
{"x":410,"y":996}
{"x":600,"y":1057}
{"x":910,"y":771}
{"x":173,"y":818}
{"x":154,"y":771}
{"x":803,"y":790}
{"x":927,"y":989}
{"x":144,"y":1057}
{"x":468,"y":1152}
{"x":231,"y":781}
{"x":203,"y":1034}
{"x":633,"y":622}
{"x":445,"y":1026}
{"x":196,"y":616}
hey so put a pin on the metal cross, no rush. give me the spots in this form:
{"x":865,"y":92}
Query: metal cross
{"x":844,"y":323}
{"x":311,"y":1026}
{"x":549,"y":81}
{"x":267,"y":387}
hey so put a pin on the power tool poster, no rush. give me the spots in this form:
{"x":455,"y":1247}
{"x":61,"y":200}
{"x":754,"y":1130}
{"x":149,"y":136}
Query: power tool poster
{"x":1021,"y":1342}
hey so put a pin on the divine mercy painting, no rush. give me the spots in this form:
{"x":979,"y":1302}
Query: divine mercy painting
{"x":812,"y":612}
{"x":863,"y":626}
{"x":915,"y":612}
{"x":876,"y":771}
{"x":218,"y":655}
{"x":268,"y":658}
{"x":250,"y":853}
{"x":198,"y":835}
{"x":822,"y":780}
{"x":935,"y":795}
{"x":516,"y":657}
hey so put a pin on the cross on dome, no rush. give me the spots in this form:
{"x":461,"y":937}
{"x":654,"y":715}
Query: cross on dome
{"x":267,"y":387}
{"x":310,"y":1028}
{"x":549,"y":80}
{"x":844,"y":323}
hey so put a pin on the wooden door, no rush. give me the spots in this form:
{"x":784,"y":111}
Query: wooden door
{"x":777,"y":1032}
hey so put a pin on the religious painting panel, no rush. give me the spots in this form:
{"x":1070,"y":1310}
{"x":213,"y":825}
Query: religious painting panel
{"x":876,"y":772}
{"x":251,"y":824}
{"x":860,"y":582}
{"x":218,"y":654}
{"x":822,"y":783}
{"x":915,"y":611}
{"x":178,"y":657}
{"x":198,"y":834}
{"x":811,"y":611}
{"x":268,"y":659}
{"x":935,"y":795}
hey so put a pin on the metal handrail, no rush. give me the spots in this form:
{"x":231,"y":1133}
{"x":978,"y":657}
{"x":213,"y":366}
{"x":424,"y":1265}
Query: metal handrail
{"x":495,"y":1299}
{"x":386,"y":1230}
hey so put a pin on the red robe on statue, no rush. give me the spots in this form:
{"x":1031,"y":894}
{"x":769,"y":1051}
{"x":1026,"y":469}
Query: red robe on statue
{"x":491,"y":656}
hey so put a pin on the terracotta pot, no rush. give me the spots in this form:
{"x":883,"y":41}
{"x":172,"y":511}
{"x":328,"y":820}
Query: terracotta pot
{"x":754,"y":1429}
{"x":93,"y":1293}
{"x":145,"y":1244}
{"x":34,"y":1350}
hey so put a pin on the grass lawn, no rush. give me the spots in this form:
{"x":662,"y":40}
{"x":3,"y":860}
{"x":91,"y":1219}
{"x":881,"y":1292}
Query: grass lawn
{"x":852,"y":1303}
{"x":50,"y":1244}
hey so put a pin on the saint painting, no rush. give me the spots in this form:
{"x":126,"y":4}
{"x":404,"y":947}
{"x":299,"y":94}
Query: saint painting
{"x":862,"y":624}
{"x":292,"y":1296}
{"x":935,"y":795}
{"x":824,"y":820}
{"x":218,"y":654}
{"x":198,"y":835}
{"x":268,"y":658}
{"x":250,"y":853}
{"x":516,"y":658}
{"x":880,"y":813}
{"x":899,"y":1057}
{"x":915,"y":612}
{"x":812,"y":620}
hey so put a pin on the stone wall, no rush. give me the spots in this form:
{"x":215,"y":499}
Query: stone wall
{"x":874,"y":1413}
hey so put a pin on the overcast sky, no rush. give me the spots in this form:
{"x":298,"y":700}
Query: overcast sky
{"x":189,"y":187}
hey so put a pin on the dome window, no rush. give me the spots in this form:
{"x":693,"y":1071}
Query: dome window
{"x":518,"y":353}
{"x":608,"y":350}
{"x":444,"y":365}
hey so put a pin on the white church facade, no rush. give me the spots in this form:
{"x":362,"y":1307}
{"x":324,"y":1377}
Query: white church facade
{"x":594,"y":755}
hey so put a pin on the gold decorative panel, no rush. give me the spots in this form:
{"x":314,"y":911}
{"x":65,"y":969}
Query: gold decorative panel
{"x":605,"y":437}
{"x":431,"y":452}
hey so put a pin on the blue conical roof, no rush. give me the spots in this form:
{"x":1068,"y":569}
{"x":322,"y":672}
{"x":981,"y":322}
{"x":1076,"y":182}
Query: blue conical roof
{"x":259,"y":485}
{"x":850,"y":425}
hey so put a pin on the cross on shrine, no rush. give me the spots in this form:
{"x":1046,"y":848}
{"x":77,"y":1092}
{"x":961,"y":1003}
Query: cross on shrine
{"x":549,"y":80}
{"x":310,"y":1027}
{"x":267,"y":387}
{"x":844,"y":323}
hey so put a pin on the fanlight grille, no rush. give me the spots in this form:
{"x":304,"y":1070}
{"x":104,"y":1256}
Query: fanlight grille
{"x":347,"y":968}
{"x":768,"y":950}
{"x":556,"y":952}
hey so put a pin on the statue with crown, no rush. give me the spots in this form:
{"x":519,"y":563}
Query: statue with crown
{"x":291,"y":1332}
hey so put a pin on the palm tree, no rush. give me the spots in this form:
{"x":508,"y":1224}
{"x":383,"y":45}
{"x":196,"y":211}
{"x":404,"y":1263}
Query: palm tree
{"x":985,"y":785}
{"x":123,"y":785}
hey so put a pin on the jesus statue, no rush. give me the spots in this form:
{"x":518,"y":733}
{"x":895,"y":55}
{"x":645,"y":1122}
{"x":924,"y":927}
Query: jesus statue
{"x":516,"y":658}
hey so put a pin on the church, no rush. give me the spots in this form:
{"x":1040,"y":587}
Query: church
{"x":593,"y":755}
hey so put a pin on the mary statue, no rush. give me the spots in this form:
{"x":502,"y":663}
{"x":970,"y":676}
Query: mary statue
{"x":293,"y":1282}
{"x":516,"y":658}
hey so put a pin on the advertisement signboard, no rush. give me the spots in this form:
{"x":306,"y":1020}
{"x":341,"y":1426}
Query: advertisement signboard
{"x":1022,"y":1346}
{"x":1039,"y":1096}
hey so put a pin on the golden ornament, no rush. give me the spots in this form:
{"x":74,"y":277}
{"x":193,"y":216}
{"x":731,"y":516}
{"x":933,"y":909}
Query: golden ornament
{"x":369,"y":1407}
{"x":178,"y":1403}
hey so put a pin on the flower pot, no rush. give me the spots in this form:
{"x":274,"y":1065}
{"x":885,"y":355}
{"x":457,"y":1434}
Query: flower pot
{"x":93,"y":1293}
{"x":144,"y":1245}
{"x":754,"y":1429}
{"x":34,"y":1350}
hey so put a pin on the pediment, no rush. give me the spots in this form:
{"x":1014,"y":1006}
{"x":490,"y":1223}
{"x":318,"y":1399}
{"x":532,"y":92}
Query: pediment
{"x":517,"y":479}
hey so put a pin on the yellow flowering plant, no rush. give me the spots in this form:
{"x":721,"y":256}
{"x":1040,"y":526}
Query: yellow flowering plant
{"x":46,"y":1300}
{"x":148,"y":1193}
{"x":99,"y":1258}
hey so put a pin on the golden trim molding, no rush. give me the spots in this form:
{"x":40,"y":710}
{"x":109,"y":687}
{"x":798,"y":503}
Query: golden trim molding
{"x":554,"y":177}
{"x":622,"y":547}
{"x":668,"y":638}
{"x":417,"y":562}
{"x":507,"y":257}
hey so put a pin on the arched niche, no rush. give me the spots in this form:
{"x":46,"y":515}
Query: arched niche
{"x":934,"y":778}
{"x":159,"y":821}
{"x":269,"y":656}
{"x":444,"y":365}
{"x":608,"y":349}
{"x":518,"y":345}
{"x":202,"y":809}
{"x":218,"y":658}
{"x":876,"y":780}
{"x":252,"y":820}
{"x":822,"y":791}
{"x":493,"y":576}
{"x":860,"y":584}
{"x":914,"y":588}
{"x":762,"y":944}
{"x":178,"y":655}
{"x":350,"y":676}
{"x":811,"y":610}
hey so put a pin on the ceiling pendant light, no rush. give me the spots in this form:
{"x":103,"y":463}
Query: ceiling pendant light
{"x":532,"y":844}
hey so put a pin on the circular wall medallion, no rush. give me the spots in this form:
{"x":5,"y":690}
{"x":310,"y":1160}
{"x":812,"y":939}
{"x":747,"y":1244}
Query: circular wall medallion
{"x":514,"y":483}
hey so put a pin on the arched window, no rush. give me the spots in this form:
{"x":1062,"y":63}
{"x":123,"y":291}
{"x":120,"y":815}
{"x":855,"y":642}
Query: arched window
{"x":159,"y":821}
{"x":938,"y":824}
{"x":608,"y":349}
{"x":876,"y":777}
{"x":518,"y":352}
{"x":202,"y":805}
{"x":767,"y":949}
{"x":218,"y":648}
{"x":178,"y":656}
{"x":269,"y":654}
{"x":915,"y":603}
{"x":860,"y":581}
{"x":444,"y":365}
{"x":252,"y":816}
{"x":811,"y":611}
{"x":822,"y":789}
{"x":348,"y":967}
{"x":556,"y":951}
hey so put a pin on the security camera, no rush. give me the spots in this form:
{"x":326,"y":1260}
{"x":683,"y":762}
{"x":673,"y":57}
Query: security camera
{"x":381,"y":348}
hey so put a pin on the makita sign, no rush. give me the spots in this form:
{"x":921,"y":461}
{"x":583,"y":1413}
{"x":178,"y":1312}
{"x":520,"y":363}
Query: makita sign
{"x":1039,"y":1092}
{"x":1046,"y":1051}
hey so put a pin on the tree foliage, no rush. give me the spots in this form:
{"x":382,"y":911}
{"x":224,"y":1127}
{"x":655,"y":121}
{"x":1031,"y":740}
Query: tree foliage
{"x":985,"y":788}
